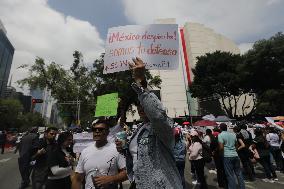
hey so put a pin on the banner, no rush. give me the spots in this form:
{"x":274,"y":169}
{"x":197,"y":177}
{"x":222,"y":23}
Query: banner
{"x":107,"y":105}
{"x":81,"y":141}
{"x":157,"y":45}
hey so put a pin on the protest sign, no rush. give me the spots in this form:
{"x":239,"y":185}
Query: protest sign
{"x":81,"y":141}
{"x":107,"y":105}
{"x":157,"y":45}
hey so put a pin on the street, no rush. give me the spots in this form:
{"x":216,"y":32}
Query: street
{"x":10,"y":177}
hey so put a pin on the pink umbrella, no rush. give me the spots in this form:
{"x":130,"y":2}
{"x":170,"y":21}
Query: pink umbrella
{"x":186,"y":123}
{"x":204,"y":123}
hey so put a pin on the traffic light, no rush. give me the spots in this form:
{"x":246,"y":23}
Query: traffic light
{"x":34,"y":101}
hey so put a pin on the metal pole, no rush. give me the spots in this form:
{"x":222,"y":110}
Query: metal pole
{"x":79,"y":108}
{"x":78,"y":105}
{"x":185,"y":86}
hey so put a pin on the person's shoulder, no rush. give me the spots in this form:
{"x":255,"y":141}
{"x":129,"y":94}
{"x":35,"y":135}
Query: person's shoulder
{"x":111,"y":147}
{"x":88,"y":149}
{"x":221,"y":135}
{"x":232,"y":135}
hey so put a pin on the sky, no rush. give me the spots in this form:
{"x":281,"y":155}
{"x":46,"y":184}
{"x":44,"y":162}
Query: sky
{"x":54,"y":29}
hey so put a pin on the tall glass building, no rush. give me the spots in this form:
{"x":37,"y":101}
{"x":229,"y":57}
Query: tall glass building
{"x":6,"y":57}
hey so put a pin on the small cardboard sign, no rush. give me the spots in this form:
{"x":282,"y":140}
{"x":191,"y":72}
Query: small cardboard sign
{"x":107,"y":105}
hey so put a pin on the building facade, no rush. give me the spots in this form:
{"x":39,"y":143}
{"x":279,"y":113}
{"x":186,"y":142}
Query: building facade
{"x":45,"y":107}
{"x":6,"y":58}
{"x":199,"y":40}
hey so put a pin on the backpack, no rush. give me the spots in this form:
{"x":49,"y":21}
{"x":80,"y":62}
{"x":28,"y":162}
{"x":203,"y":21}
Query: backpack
{"x":206,"y":153}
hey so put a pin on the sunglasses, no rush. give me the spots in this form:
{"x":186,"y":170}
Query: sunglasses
{"x":98,"y":129}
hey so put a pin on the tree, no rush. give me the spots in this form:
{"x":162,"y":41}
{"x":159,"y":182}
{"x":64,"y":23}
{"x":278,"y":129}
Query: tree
{"x":10,"y":109}
{"x":263,"y":73}
{"x":271,"y":102}
{"x":217,"y":75}
{"x":118,"y":82}
{"x":29,"y":120}
{"x":83,"y":84}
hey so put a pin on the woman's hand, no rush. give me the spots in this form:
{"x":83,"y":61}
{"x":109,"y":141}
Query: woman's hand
{"x":103,"y":181}
{"x":70,"y":159}
{"x":138,"y":70}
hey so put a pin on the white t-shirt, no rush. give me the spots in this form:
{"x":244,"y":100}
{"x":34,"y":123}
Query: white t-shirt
{"x":273,"y":139}
{"x":207,"y":140}
{"x":106,"y":159}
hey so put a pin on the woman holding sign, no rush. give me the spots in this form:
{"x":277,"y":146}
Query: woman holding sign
{"x":149,"y":158}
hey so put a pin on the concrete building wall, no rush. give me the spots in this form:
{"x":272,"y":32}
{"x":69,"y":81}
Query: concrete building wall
{"x":199,"y":41}
{"x":43,"y":108}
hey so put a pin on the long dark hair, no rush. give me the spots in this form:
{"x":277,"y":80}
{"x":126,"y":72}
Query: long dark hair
{"x":196,"y":139}
{"x":63,"y":137}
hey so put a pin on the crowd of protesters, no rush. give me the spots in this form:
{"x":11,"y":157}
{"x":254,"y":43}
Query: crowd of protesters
{"x":235,"y":154}
{"x":153,"y":155}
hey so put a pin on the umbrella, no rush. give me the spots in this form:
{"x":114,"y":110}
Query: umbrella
{"x":222,"y":119}
{"x":186,"y":123}
{"x":205,"y":123}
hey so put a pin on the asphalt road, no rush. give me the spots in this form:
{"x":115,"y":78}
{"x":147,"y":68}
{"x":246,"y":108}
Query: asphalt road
{"x":10,"y":177}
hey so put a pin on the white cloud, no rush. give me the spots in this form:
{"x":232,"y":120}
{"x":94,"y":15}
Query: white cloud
{"x":244,"y":47}
{"x":270,"y":2}
{"x":242,"y":20}
{"x":35,"y":29}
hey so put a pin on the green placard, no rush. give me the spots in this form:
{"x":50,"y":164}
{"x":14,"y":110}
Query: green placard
{"x":107,"y":105}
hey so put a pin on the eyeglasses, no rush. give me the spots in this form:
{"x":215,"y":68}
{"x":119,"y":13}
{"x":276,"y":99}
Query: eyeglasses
{"x":98,"y":129}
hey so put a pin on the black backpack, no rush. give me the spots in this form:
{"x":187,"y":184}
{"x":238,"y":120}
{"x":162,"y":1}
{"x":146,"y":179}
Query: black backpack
{"x":206,"y":153}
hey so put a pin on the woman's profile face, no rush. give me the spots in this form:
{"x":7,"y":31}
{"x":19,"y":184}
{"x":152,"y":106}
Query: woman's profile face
{"x":68,"y":142}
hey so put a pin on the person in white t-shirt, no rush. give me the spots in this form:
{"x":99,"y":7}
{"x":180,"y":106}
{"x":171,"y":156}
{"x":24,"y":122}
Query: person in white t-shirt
{"x":100,"y":164}
{"x":274,"y":141}
{"x":117,"y":127}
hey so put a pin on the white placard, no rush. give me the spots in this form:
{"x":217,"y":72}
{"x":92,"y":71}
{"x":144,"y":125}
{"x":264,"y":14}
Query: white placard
{"x":83,"y":136}
{"x":79,"y":147}
{"x":81,"y":141}
{"x":157,"y":45}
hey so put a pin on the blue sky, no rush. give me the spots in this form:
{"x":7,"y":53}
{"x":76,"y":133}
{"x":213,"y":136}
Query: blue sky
{"x":102,"y":13}
{"x":53,"y":29}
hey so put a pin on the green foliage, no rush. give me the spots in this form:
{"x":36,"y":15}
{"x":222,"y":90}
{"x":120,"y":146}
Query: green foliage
{"x":263,"y":73}
{"x":217,"y":75}
{"x":10,"y":109}
{"x":271,"y":102}
{"x":12,"y":117}
{"x":118,"y":82}
{"x":29,"y":120}
{"x":83,"y":84}
{"x":259,"y":73}
{"x":65,"y":85}
{"x":264,"y":65}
